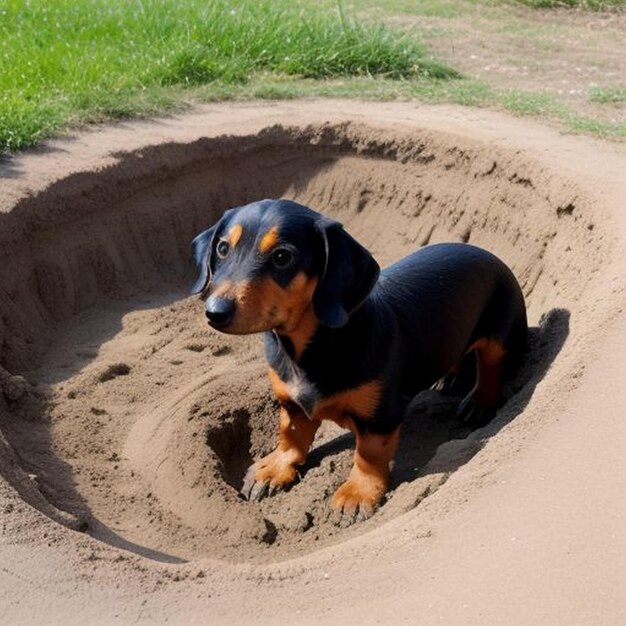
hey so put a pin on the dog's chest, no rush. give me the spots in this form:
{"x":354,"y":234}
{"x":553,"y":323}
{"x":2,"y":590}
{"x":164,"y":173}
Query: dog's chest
{"x":294,"y":383}
{"x":303,"y":392}
{"x":341,"y":407}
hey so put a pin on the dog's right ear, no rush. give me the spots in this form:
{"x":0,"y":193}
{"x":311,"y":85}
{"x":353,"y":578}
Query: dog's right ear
{"x":349,"y":274}
{"x":202,"y":250}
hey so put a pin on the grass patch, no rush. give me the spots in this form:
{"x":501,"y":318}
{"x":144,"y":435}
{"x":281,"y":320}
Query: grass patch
{"x":544,"y":105}
{"x":464,"y":91}
{"x":590,"y":126}
{"x":460,"y":91}
{"x":608,"y":95}
{"x":64,"y":63}
{"x":69,"y":61}
{"x":426,"y":8}
{"x":530,"y":103}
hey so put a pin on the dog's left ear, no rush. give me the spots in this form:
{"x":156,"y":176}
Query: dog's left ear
{"x":202,"y":250}
{"x":349,"y":272}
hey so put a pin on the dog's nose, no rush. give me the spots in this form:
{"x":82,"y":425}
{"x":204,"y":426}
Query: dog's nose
{"x":219,"y":311}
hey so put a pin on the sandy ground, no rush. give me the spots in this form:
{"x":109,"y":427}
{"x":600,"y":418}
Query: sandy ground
{"x":126,"y":425}
{"x":562,"y":53}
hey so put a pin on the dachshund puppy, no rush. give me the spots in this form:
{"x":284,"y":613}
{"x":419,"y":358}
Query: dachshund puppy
{"x":349,"y":343}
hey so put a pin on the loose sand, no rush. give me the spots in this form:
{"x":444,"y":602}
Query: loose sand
{"x":126,"y":424}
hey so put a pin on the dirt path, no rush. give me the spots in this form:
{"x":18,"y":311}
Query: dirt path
{"x":563,"y":54}
{"x":134,"y":424}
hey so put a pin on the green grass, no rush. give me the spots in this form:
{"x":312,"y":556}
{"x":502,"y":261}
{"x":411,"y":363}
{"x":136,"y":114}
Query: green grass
{"x":609,"y":95}
{"x":463,"y":91}
{"x":544,"y":105}
{"x":428,"y":8}
{"x":64,"y":62}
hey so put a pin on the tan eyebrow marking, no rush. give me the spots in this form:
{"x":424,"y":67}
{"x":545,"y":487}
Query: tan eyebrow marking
{"x":269,"y":240}
{"x":235,"y":235}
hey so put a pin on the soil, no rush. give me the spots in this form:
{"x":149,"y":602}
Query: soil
{"x":564,"y":53}
{"x":126,"y":424}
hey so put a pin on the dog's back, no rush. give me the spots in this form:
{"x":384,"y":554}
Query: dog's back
{"x":446,"y":297}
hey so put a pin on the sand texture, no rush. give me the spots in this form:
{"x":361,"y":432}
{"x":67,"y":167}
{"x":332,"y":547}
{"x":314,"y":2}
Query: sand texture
{"x":127,"y":425}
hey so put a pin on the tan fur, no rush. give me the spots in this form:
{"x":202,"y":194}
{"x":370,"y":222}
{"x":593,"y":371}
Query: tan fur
{"x":369,"y":476}
{"x":280,"y":388}
{"x":269,"y":240}
{"x":368,"y":479}
{"x":295,"y":436}
{"x":234,"y":235}
{"x":490,"y":350}
{"x":264,"y":305}
{"x":361,"y":401}
{"x":489,"y":360}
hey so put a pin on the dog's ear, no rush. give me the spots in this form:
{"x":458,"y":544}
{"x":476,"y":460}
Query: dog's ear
{"x":202,"y":250}
{"x":349,"y":272}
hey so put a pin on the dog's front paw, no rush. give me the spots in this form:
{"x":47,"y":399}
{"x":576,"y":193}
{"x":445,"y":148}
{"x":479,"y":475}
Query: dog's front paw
{"x":269,"y":475}
{"x":358,"y":498}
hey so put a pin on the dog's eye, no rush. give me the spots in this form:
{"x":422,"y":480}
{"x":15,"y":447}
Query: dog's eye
{"x":282,"y":258}
{"x":222,"y":248}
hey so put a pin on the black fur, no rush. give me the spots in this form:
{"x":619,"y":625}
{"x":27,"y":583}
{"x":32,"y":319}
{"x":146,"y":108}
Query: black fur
{"x":407,"y":327}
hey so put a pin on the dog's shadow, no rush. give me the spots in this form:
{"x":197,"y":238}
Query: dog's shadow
{"x":430,"y":419}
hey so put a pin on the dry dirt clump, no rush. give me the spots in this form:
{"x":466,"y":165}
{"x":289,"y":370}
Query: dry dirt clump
{"x":111,"y":372}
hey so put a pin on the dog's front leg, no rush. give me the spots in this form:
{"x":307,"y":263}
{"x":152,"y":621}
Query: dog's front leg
{"x":277,"y":470}
{"x":367,"y":483}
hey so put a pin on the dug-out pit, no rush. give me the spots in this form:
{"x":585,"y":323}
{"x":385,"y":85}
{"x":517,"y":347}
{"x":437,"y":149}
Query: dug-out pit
{"x":127,"y":417}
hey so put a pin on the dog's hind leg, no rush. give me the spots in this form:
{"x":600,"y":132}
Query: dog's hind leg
{"x":460,"y":379}
{"x":480,"y":405}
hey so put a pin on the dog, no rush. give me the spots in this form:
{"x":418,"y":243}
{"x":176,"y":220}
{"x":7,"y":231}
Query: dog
{"x":349,"y":343}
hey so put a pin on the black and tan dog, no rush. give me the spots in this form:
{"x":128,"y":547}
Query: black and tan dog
{"x":349,"y":343}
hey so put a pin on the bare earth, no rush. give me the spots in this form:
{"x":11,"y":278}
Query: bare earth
{"x":126,"y":425}
{"x":565,"y":54}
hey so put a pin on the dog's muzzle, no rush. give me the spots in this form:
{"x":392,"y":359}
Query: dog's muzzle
{"x":220,"y":311}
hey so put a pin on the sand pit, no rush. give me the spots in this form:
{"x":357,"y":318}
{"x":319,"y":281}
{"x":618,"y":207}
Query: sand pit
{"x":130,"y":423}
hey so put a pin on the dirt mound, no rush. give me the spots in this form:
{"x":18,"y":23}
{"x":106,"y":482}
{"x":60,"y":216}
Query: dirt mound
{"x":124,"y":418}
{"x":136,"y":422}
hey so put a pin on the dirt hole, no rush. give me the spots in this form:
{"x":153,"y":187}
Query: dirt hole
{"x":230,"y":441}
{"x":96,"y":270}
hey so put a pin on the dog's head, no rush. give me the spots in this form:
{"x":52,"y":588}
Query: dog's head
{"x":263,"y":265}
